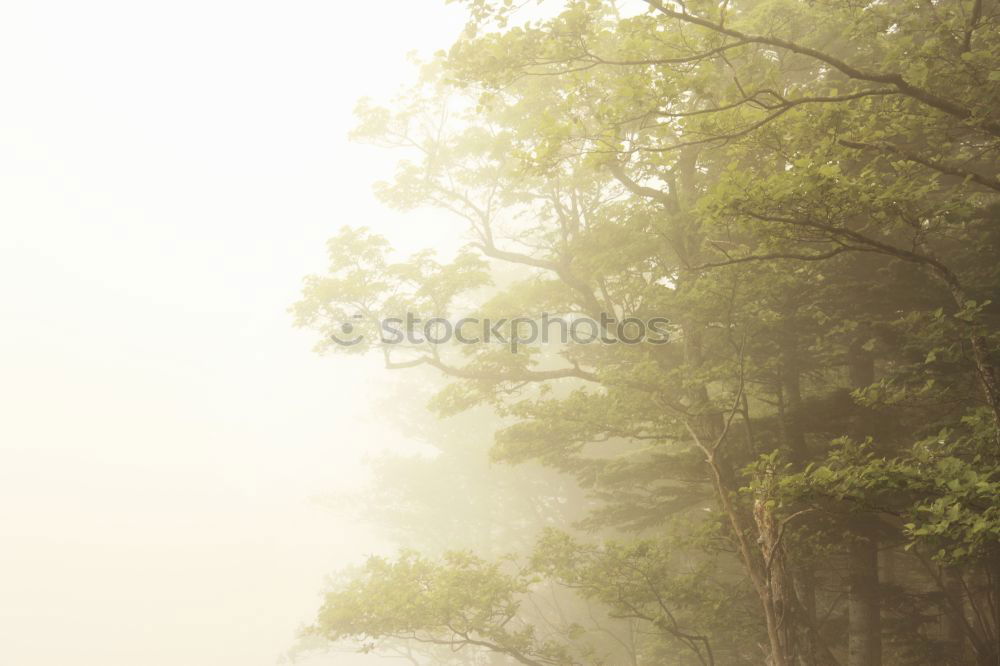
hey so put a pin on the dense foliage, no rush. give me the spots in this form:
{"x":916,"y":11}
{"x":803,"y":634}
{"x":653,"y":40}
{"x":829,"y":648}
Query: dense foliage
{"x":809,"y":471}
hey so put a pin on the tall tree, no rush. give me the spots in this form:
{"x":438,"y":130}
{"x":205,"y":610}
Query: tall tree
{"x":809,"y":193}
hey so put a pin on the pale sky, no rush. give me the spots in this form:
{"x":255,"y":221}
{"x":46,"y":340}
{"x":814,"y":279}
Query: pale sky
{"x":168,"y":174}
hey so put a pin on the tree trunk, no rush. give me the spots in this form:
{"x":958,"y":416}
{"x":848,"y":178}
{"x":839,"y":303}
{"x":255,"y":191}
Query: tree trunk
{"x":864,"y":612}
{"x":790,"y":405}
{"x":991,"y":610}
{"x":864,"y":619}
{"x":953,"y":611}
{"x":811,"y":651}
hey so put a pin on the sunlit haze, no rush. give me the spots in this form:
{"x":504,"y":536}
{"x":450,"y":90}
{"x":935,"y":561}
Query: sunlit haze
{"x":168,"y":173}
{"x":500,"y":333}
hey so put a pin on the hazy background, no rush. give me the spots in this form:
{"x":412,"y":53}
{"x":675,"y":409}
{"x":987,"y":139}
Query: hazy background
{"x":168,"y":173}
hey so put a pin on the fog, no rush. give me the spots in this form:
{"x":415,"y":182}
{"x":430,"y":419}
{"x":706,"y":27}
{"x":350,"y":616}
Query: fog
{"x":168,"y":173}
{"x":482,"y":333}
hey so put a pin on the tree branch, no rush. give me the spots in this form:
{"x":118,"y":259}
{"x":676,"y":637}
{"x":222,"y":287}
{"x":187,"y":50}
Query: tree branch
{"x":936,"y":165}
{"x":894,"y":79}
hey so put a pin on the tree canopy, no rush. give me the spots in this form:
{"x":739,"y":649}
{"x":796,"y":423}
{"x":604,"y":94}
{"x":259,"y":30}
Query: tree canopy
{"x":807,"y":471}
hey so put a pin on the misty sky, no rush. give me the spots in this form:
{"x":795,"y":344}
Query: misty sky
{"x":168,"y":174}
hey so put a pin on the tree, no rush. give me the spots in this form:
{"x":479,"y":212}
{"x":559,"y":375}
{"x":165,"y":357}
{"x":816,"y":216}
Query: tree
{"x":808,"y":192}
